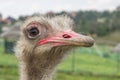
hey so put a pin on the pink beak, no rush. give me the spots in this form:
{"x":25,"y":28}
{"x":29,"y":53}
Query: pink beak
{"x":70,"y":38}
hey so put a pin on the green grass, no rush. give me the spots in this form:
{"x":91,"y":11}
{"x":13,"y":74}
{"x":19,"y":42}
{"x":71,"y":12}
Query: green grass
{"x":95,"y":63}
{"x":63,"y":76}
{"x":85,"y":61}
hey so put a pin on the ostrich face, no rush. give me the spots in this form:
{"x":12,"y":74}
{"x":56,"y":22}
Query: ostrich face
{"x":47,"y":33}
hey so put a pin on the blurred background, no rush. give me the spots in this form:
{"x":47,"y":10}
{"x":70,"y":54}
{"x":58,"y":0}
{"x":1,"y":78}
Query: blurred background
{"x":97,"y":18}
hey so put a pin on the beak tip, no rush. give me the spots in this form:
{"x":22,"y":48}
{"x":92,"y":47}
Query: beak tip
{"x":90,"y":42}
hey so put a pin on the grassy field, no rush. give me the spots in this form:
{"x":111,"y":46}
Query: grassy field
{"x":95,"y":63}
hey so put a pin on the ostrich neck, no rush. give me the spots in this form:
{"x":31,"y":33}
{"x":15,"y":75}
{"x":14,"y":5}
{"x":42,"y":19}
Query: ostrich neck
{"x":33,"y":71}
{"x":40,"y":67}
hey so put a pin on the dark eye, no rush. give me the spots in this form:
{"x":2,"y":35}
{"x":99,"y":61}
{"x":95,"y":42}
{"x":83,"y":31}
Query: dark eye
{"x":33,"y":31}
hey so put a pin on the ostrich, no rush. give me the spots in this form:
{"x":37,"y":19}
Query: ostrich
{"x":43,"y":43}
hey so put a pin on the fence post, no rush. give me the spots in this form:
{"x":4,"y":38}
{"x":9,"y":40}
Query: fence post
{"x":118,"y":62}
{"x":73,"y":61}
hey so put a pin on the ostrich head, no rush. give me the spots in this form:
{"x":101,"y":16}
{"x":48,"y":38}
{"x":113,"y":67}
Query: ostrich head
{"x":43,"y":44}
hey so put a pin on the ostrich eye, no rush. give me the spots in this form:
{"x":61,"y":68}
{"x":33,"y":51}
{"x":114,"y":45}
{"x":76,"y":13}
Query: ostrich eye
{"x":33,"y":31}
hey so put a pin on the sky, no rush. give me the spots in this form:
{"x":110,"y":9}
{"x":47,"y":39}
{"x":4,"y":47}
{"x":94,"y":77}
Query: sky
{"x":16,"y":8}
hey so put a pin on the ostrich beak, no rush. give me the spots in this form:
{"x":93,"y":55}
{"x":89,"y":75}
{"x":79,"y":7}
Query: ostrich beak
{"x":75,"y":39}
{"x":70,"y":38}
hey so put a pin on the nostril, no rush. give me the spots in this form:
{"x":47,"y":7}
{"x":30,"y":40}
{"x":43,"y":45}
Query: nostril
{"x":66,"y":36}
